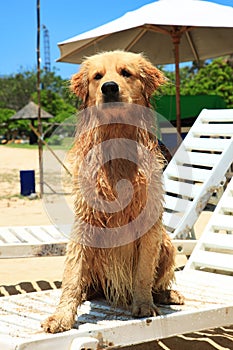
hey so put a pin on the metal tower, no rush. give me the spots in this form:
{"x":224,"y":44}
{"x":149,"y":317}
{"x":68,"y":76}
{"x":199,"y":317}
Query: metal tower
{"x":46,"y":49}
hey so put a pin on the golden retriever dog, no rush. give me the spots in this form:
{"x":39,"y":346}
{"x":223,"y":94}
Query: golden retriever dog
{"x":128,"y":261}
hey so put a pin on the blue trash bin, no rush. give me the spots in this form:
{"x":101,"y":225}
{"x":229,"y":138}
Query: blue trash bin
{"x":27,"y":182}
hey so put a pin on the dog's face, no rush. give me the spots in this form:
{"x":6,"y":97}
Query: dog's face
{"x":116,"y":76}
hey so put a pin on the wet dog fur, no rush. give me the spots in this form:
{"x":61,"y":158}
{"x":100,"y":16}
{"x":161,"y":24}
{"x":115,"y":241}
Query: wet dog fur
{"x":138,"y":274}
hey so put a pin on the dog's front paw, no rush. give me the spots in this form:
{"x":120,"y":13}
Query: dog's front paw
{"x":143,"y":309}
{"x":57,"y":323}
{"x":176,"y":298}
{"x":169,"y":297}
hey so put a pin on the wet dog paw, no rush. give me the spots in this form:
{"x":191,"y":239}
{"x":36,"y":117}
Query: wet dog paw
{"x":144,"y":310}
{"x":57,"y":323}
{"x":168,"y":297}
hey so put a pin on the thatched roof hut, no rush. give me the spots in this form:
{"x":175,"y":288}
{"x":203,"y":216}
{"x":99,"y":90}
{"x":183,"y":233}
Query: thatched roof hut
{"x":30,"y":111}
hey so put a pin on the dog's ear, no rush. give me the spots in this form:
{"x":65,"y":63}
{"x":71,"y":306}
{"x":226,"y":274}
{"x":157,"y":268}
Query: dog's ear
{"x":79,"y":84}
{"x":151,"y":77}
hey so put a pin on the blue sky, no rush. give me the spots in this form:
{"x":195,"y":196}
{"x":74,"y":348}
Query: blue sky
{"x":63,"y":18}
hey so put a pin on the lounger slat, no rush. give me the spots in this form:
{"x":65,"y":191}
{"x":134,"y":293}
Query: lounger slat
{"x":42,"y":234}
{"x":188,"y":173}
{"x":227,"y":204}
{"x":218,"y":241}
{"x":36,"y":231}
{"x":171,"y":220}
{"x":224,"y":222}
{"x":35,"y":234}
{"x":209,"y":282}
{"x":176,"y":204}
{"x":212,"y":115}
{"x":194,"y":158}
{"x":181,"y":188}
{"x":207,"y":144}
{"x":216,"y":130}
{"x":213,"y":260}
{"x":6,"y":236}
{"x":50,"y":230}
{"x":24,"y":236}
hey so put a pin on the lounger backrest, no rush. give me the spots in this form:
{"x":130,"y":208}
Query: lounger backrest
{"x":197,"y":170}
{"x":214,"y":249}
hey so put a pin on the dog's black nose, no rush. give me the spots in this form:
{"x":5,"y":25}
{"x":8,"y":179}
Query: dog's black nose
{"x":110,"y":89}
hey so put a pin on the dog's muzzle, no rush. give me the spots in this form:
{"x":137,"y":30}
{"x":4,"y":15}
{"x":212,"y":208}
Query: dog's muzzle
{"x":110,"y":91}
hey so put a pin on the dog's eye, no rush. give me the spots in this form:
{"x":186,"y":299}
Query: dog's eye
{"x":125,"y":73}
{"x":98,"y":76}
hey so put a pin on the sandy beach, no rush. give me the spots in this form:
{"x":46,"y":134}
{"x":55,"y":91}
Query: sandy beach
{"x":17,"y":276}
{"x":16,"y":210}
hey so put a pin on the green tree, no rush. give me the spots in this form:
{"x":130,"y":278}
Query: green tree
{"x":54,"y":104}
{"x":5,"y":114}
{"x":16,"y":90}
{"x":7,"y":125}
{"x":169,"y":88}
{"x":215,"y":78}
{"x":54,"y":83}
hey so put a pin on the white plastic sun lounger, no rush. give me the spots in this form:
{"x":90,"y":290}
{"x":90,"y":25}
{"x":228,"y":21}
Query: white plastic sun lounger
{"x":28,"y":241}
{"x":206,"y":282}
{"x":194,"y":173}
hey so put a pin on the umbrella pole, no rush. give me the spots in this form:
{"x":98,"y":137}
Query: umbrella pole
{"x":40,"y":144}
{"x":176,"y":42}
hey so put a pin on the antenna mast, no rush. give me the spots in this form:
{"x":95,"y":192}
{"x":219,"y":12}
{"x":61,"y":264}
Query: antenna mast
{"x":46,"y":49}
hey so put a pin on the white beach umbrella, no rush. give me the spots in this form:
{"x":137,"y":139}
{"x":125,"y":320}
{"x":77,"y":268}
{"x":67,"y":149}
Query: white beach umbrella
{"x":167,"y":31}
